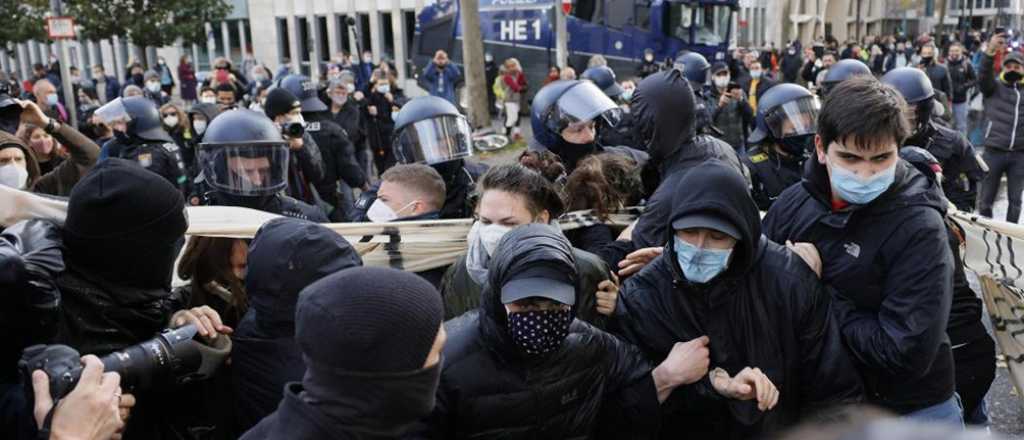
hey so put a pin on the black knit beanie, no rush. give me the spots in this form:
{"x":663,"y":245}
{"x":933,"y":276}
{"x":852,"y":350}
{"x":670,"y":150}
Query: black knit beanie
{"x":121,"y":215}
{"x":279,"y":102}
{"x":368,"y":319}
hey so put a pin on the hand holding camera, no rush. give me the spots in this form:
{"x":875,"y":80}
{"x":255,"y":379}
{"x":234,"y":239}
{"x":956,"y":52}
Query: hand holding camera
{"x":95,"y":409}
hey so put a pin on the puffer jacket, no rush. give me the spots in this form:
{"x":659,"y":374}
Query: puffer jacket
{"x":890,"y":269}
{"x":767,"y":310}
{"x":592,"y":386}
{"x":1004,"y":108}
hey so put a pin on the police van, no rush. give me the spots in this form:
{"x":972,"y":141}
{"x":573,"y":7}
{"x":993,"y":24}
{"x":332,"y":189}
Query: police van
{"x":620,"y":30}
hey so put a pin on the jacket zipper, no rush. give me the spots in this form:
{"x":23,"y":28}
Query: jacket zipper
{"x":1016,"y":118}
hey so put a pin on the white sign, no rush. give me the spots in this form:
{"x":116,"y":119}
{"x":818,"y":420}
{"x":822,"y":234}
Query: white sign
{"x":60,"y":27}
{"x":518,"y":30}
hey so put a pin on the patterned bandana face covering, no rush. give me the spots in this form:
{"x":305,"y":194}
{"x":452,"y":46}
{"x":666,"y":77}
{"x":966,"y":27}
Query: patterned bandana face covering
{"x":539,"y":331}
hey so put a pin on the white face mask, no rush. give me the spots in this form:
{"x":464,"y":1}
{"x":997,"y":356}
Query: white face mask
{"x":299,"y":119}
{"x":490,"y":236}
{"x":380,"y":212}
{"x":171,"y":121}
{"x":153,"y":86}
{"x":13,"y":176}
{"x":200,"y":126}
{"x":384,"y":88}
{"x":350,"y":87}
{"x":208,"y":100}
{"x":721,"y":81}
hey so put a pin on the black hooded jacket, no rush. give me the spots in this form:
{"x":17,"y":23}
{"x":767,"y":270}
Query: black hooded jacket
{"x":891,"y":269}
{"x":767,"y":310}
{"x":286,"y":256}
{"x":593,"y":385}
{"x":664,"y":109}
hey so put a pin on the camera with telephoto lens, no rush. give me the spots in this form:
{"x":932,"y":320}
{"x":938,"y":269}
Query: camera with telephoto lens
{"x":293,"y":130}
{"x":171,"y":358}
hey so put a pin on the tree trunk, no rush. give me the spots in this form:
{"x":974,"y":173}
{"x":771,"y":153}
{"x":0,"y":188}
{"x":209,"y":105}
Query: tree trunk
{"x":473,"y":63}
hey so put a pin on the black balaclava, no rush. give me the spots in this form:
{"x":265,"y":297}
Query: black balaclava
{"x":365,"y":335}
{"x":126,"y":225}
{"x":571,"y":153}
{"x":664,"y":108}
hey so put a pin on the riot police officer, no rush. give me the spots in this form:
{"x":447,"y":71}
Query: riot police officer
{"x":622,"y":134}
{"x":961,"y":167}
{"x":244,"y":159}
{"x":564,"y":117}
{"x":783,"y":140}
{"x":139,"y":136}
{"x":841,"y":71}
{"x":341,"y":170}
{"x":430,"y":130}
{"x":695,"y":68}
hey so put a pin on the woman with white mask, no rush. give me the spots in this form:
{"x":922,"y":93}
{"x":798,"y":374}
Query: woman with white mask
{"x":19,"y":166}
{"x":513,"y":195}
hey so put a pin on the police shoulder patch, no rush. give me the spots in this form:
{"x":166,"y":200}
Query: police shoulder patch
{"x":170,"y":146}
{"x":758,"y":158}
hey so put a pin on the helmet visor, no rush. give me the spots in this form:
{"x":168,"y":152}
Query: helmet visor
{"x":435,"y":140}
{"x":794,"y":118}
{"x":246,"y":170}
{"x":583,"y":103}
{"x":113,"y":111}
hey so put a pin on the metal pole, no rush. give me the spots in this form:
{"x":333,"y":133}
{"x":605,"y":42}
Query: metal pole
{"x":65,"y":71}
{"x":858,"y":21}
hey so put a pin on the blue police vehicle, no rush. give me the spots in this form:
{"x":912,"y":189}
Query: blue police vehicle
{"x":620,"y":30}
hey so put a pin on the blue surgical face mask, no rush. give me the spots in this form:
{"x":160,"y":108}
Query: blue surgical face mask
{"x":51,"y":99}
{"x":851,"y":188}
{"x":700,"y":265}
{"x":756,"y":74}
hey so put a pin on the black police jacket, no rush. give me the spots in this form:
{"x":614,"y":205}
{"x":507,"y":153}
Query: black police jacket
{"x":957,"y":156}
{"x":338,"y":154}
{"x":891,"y":270}
{"x":770,"y":174}
{"x":163,"y":158}
{"x":279,"y":204}
{"x":767,"y":310}
{"x":593,"y":386}
{"x":350,"y":118}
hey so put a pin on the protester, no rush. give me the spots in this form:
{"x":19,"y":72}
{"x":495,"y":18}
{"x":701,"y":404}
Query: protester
{"x":208,"y":95}
{"x":513,"y":85}
{"x":107,"y":87}
{"x":345,"y":111}
{"x":48,"y":100}
{"x":937,"y":73}
{"x":132,"y":90}
{"x":791,"y":63}
{"x":408,"y":192}
{"x":441,"y":77}
{"x":215,"y":269}
{"x":859,"y":200}
{"x":815,"y":69}
{"x":508,"y":370}
{"x":48,"y":153}
{"x":900,"y":56}
{"x":567,"y":74}
{"x":1003,"y":144}
{"x":955,"y":153}
{"x":227,"y":98}
{"x":491,"y":74}
{"x":383,"y":100}
{"x":176,"y":125}
{"x":187,"y":77}
{"x":731,"y":114}
{"x":134,"y":75}
{"x":783,"y":141}
{"x":554,"y":74}
{"x":199,"y":117}
{"x":603,"y":184}
{"x":546,"y":163}
{"x":647,"y":66}
{"x":244,"y":160}
{"x":759,"y":83}
{"x":963,"y":79}
{"x":285,"y":257}
{"x":20,"y":168}
{"x":371,"y":340}
{"x":762,"y":310}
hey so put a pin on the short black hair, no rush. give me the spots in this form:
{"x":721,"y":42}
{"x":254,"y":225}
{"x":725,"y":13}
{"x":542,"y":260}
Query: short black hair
{"x":865,"y":111}
{"x":539,"y":193}
{"x":225,"y":87}
{"x":206,"y":89}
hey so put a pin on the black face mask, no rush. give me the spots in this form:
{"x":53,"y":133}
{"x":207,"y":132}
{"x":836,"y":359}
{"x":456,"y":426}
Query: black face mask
{"x":138,"y":79}
{"x":383,"y":404}
{"x":1012,"y":77}
{"x":926,"y":60}
{"x":571,"y":153}
{"x":798,"y":146}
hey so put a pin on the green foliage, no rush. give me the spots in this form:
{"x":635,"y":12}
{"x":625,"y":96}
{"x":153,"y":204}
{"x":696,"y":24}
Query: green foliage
{"x":147,"y":22}
{"x":23,"y":20}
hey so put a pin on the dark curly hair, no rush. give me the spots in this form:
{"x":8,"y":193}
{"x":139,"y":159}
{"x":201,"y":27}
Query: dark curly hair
{"x":603,"y":182}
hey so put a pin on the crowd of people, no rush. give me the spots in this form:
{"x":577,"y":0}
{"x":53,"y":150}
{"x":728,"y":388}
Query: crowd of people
{"x":698,"y":319}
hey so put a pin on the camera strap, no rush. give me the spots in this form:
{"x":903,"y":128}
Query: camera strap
{"x":44,"y":431}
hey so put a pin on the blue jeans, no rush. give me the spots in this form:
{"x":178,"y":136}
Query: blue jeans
{"x":960,"y":116}
{"x":950,"y":412}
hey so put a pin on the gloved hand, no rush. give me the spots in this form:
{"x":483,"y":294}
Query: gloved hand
{"x":31,"y":258}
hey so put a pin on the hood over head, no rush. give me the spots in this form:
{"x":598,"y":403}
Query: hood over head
{"x":723,"y":194}
{"x":287,"y":255}
{"x":8,"y":140}
{"x":664,"y":110}
{"x":523,"y":249}
{"x":209,"y":110}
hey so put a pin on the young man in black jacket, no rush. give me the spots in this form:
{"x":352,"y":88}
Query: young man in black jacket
{"x":878,"y":225}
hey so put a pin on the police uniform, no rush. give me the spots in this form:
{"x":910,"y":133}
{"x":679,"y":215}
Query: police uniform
{"x":163,"y":158}
{"x":770,"y":174}
{"x":339,"y":163}
{"x":960,"y":169}
{"x":705,"y":111}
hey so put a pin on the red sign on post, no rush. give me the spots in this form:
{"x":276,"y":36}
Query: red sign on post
{"x":567,"y":6}
{"x":60,"y":27}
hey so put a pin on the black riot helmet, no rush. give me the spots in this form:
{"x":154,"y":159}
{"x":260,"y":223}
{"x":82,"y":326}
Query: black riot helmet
{"x":244,"y":154}
{"x":917,"y":90}
{"x":604,"y":78}
{"x":842,"y":71}
{"x":305,"y":90}
{"x":431,"y":130}
{"x":563,"y":103}
{"x":694,"y":67}
{"x":787,"y":114}
{"x":140,"y":115}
